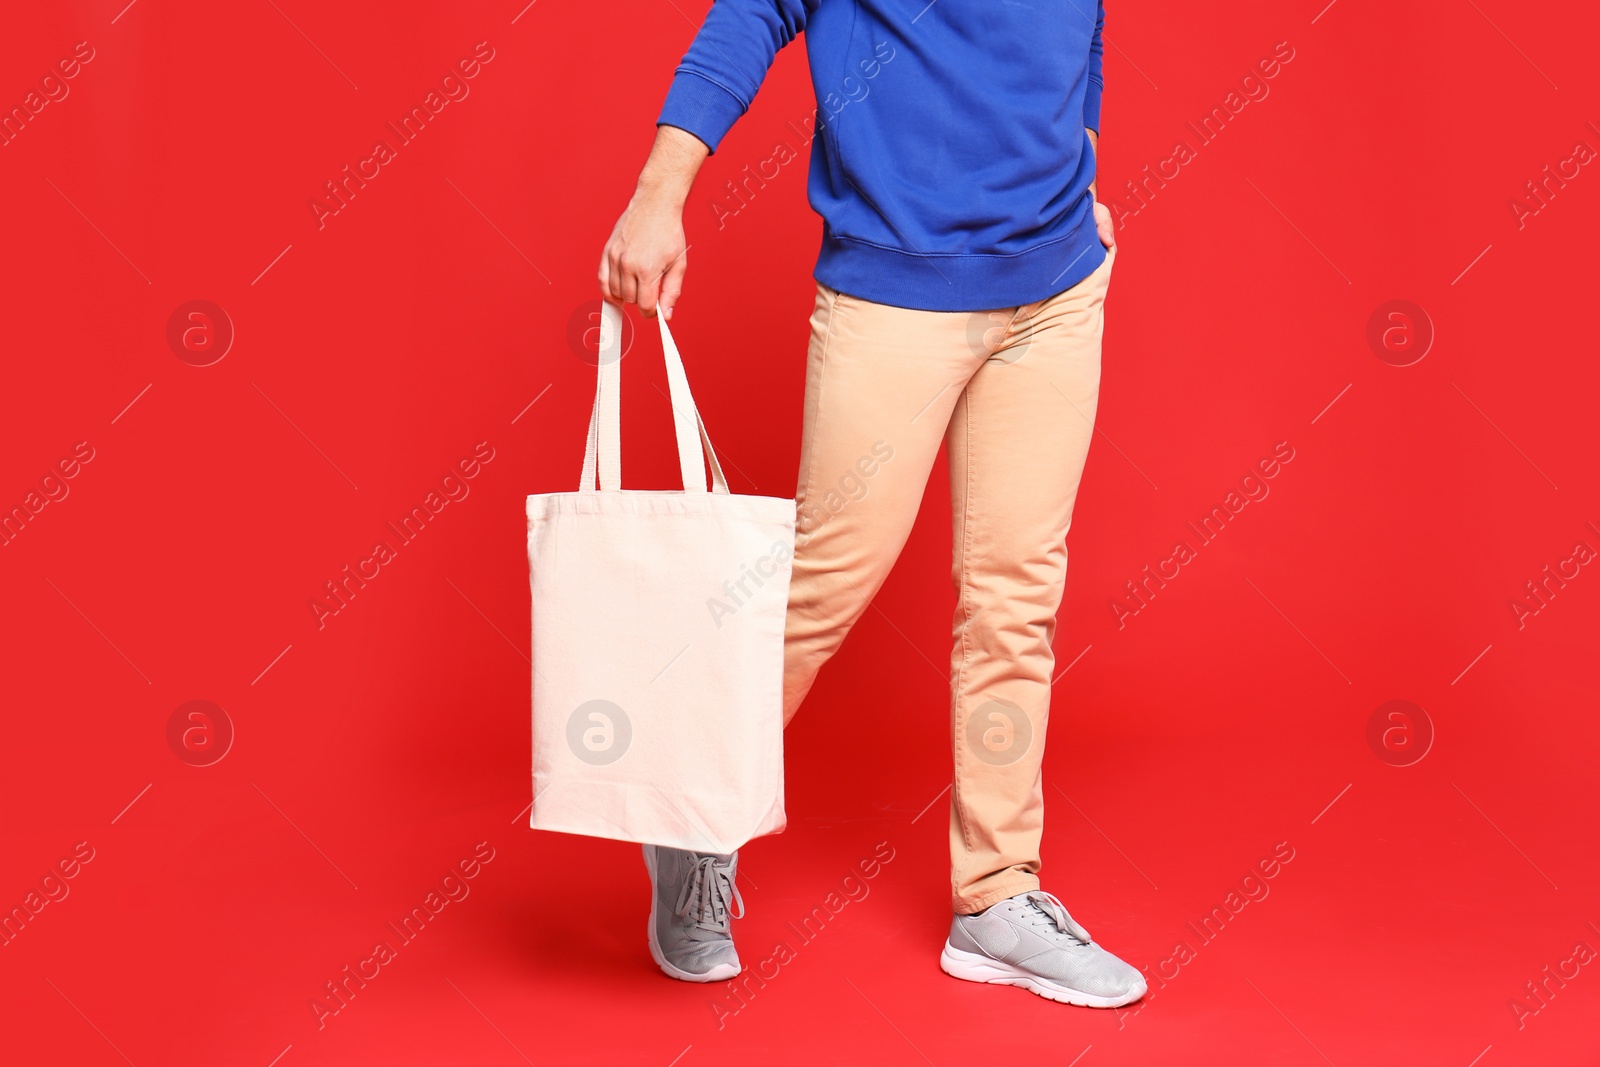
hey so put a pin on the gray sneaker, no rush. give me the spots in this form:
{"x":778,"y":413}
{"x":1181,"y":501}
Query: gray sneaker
{"x":1029,"y":940}
{"x":692,"y":897}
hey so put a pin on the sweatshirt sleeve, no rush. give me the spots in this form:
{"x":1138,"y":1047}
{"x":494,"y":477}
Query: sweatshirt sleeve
{"x":1097,"y":84}
{"x":724,"y":67}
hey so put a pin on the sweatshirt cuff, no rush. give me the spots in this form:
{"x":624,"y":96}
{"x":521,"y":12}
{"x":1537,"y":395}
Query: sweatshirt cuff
{"x":701,"y":106}
{"x":1091,"y":105}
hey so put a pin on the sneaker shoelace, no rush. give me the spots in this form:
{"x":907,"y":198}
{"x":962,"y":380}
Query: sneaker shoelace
{"x":1044,"y":910}
{"x":707,"y":894}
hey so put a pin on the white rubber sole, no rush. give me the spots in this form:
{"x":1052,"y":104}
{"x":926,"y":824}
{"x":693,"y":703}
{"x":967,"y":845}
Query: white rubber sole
{"x":720,"y":973}
{"x":971,"y":967}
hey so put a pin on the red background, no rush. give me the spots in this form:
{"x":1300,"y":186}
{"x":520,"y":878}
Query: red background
{"x":374,"y":352}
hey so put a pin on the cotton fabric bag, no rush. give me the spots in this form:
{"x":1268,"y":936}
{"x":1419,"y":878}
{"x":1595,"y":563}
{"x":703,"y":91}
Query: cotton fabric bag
{"x":658,"y":623}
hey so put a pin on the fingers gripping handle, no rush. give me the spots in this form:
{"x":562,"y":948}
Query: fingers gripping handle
{"x":604,"y":447}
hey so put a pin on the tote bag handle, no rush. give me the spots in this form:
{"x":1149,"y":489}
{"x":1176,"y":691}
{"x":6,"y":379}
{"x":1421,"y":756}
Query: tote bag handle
{"x":604,"y":448}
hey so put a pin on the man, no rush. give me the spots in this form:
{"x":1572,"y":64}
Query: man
{"x":960,"y":288}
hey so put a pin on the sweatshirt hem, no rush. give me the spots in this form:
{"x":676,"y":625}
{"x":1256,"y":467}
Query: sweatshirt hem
{"x":958,"y":282}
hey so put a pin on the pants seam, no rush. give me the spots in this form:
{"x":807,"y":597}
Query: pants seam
{"x":803,"y":529}
{"x":957,"y":793}
{"x":822,"y":381}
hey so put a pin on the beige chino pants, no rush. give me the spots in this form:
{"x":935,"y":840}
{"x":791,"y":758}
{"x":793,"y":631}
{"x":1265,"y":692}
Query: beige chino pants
{"x":1010,"y":395}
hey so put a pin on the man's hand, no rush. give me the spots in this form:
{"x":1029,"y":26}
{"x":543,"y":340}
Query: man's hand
{"x":646,"y":258}
{"x":1102,"y":214}
{"x":1103,"y":224}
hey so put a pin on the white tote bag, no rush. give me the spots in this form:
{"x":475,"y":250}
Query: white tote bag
{"x":658,"y":622}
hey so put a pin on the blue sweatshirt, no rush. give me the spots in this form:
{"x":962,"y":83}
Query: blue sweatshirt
{"x":950,"y":162}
